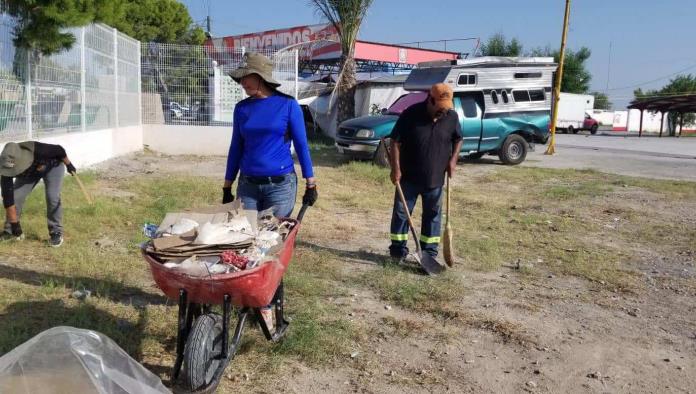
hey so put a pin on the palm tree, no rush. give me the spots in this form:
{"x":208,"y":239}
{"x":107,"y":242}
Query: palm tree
{"x":346,"y":16}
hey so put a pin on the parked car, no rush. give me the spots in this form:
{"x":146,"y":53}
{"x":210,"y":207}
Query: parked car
{"x":503,"y":106}
{"x":175,"y":110}
{"x":590,"y":124}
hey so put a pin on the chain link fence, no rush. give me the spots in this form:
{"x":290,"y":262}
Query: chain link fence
{"x":108,"y":80}
{"x":189,"y":84}
{"x":94,"y":85}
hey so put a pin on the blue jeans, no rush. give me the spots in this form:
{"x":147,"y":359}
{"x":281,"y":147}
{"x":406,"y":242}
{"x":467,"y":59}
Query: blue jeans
{"x":280,"y":196}
{"x":430,"y":219}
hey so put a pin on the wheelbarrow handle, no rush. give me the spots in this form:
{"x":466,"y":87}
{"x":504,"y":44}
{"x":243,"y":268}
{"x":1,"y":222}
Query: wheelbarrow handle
{"x":302,"y":212}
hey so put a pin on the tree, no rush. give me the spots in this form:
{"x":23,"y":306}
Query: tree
{"x":576,"y":78}
{"x":681,"y":84}
{"x":42,"y":25}
{"x":601,"y":101}
{"x":497,"y":45}
{"x":346,"y":16}
{"x":163,"y":21}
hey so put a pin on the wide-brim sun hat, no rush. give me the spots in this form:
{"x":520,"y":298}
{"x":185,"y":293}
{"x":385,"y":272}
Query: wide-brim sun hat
{"x":255,"y":63}
{"x":16,"y":158}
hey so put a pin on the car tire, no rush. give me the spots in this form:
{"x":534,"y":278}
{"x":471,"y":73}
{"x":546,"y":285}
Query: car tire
{"x":593,"y":129}
{"x":514,"y":150}
{"x":571,"y":130}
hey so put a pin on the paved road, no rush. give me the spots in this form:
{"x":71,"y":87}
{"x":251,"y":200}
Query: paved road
{"x":684,"y":147}
{"x":666,"y":158}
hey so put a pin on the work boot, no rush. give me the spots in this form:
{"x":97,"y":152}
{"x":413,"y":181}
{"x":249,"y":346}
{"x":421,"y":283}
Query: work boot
{"x":56,"y":240}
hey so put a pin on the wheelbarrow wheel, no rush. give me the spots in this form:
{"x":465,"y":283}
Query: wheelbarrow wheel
{"x":203,"y":348}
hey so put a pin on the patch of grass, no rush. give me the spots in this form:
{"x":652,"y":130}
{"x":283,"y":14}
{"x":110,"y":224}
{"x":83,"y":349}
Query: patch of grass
{"x":317,"y":334}
{"x":366,"y":172}
{"x":579,"y":190}
{"x":673,"y":189}
{"x":412,"y":291}
{"x":403,"y":327}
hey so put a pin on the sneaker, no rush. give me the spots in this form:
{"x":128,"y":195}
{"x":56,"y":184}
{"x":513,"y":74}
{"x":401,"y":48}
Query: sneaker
{"x":5,"y":236}
{"x":56,"y":240}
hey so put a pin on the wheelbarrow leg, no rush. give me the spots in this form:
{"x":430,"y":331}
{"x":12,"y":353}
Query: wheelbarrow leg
{"x":281,"y":323}
{"x":243,"y":314}
{"x":226,"y":308}
{"x":181,"y":334}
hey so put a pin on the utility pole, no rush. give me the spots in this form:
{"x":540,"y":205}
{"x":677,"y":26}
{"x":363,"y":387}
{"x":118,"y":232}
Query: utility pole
{"x":207,"y":20}
{"x":559,"y":77}
{"x":608,"y":68}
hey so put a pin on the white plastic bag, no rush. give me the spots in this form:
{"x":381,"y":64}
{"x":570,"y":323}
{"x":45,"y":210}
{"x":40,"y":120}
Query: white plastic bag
{"x":267,"y":239}
{"x":183,"y":226}
{"x":220,"y":234}
{"x":239,"y":223}
{"x":71,"y":360}
{"x":201,"y":266}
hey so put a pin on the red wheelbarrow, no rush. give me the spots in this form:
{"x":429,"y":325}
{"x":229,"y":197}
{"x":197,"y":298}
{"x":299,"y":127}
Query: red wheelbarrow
{"x":203,"y":345}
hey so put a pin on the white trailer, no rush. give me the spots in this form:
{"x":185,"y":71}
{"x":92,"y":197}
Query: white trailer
{"x":572,"y":110}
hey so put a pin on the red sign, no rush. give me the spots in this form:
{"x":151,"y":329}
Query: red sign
{"x":321,"y":36}
{"x":276,"y":39}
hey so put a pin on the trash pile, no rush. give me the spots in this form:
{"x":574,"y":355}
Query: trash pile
{"x":217,"y":240}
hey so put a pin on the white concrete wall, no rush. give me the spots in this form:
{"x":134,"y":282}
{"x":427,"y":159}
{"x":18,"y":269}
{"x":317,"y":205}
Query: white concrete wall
{"x":188,"y":140}
{"x":88,"y":148}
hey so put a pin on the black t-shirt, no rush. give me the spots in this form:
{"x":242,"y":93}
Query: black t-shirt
{"x":46,"y":157}
{"x":426,"y":146}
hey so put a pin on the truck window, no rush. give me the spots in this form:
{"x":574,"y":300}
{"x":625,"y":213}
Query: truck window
{"x":537,"y":95}
{"x":406,"y":101}
{"x":469,"y":107}
{"x":494,"y":96}
{"x":466,"y":79}
{"x":527,"y":75}
{"x":520,"y":96}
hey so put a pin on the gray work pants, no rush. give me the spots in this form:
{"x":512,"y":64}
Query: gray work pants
{"x":53,"y":180}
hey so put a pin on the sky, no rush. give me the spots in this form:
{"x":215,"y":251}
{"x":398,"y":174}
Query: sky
{"x":650,"y":40}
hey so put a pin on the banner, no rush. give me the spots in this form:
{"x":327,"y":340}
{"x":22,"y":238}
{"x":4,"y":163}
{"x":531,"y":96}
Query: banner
{"x":281,"y":38}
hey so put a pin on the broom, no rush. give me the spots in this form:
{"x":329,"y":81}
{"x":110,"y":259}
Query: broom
{"x":447,"y":243}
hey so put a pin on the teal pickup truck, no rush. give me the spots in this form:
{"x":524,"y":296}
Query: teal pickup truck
{"x":503,"y":106}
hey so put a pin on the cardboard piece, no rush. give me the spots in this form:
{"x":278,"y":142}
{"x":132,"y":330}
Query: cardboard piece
{"x":182,"y":246}
{"x":174,"y":241}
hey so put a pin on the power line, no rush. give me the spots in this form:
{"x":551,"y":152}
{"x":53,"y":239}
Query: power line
{"x":657,"y":79}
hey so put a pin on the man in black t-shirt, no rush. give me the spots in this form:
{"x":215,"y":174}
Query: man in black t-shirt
{"x":22,"y":166}
{"x":425,"y":146}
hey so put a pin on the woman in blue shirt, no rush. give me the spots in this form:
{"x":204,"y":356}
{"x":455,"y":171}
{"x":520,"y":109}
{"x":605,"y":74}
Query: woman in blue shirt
{"x":264,"y":125}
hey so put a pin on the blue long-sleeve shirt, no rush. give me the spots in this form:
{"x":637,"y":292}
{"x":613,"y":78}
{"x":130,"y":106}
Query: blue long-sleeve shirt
{"x":261,"y":135}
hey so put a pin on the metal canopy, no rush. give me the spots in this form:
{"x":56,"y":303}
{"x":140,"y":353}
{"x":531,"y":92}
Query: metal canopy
{"x":678,"y":103}
{"x":682,"y":103}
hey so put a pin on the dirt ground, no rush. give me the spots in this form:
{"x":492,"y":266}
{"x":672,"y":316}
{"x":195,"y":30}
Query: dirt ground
{"x":506,"y":330}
